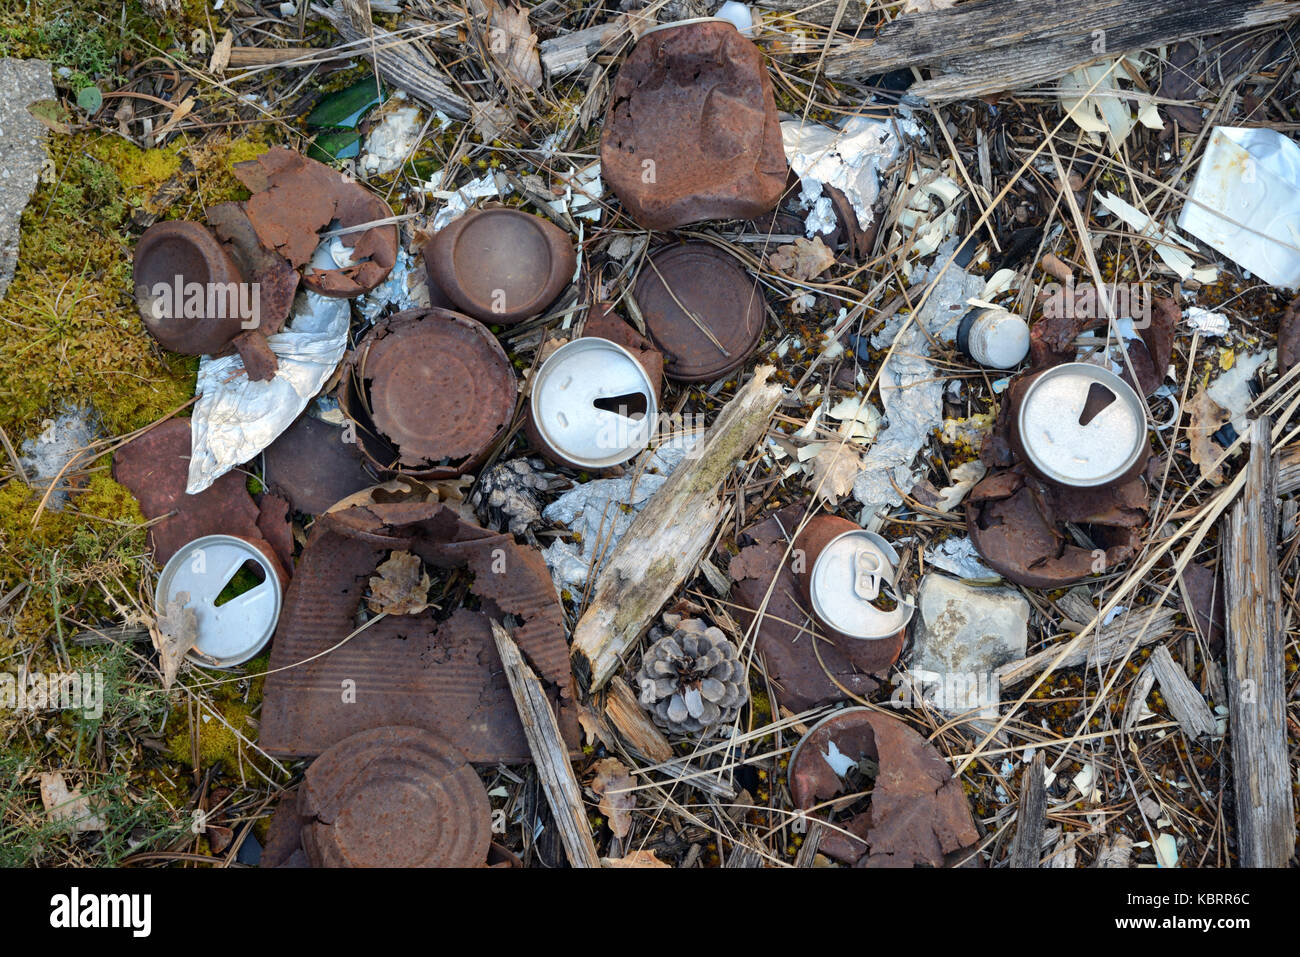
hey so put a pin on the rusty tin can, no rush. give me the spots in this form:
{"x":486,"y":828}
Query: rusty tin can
{"x":701,"y":310}
{"x":501,"y":265}
{"x":429,"y":392}
{"x":1080,"y":425}
{"x":172,"y":259}
{"x":394,"y":797}
{"x":592,"y":405}
{"x":847,"y":576}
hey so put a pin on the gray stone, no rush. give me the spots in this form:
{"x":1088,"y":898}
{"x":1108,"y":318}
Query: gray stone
{"x":961,"y":634}
{"x":22,"y":150}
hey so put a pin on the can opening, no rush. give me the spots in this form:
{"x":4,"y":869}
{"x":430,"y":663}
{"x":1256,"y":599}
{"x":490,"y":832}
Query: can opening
{"x":1099,"y":398}
{"x":244,"y":579}
{"x":631,"y":405}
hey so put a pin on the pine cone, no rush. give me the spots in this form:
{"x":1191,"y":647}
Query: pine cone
{"x":692,"y":679}
{"x":507,"y":496}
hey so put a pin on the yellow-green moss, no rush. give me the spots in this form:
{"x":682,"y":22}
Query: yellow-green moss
{"x":218,"y":743}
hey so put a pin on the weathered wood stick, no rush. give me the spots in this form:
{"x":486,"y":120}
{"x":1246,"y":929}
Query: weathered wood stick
{"x":633,"y":723}
{"x":398,"y":57}
{"x":1100,"y":648}
{"x":665,"y":541}
{"x":1266,"y":830}
{"x":1027,"y":848}
{"x":992,"y":46}
{"x":573,"y":51}
{"x":549,"y":753}
{"x":1186,"y":704}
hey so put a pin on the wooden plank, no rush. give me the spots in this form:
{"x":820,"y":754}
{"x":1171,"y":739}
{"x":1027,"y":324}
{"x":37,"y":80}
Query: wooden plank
{"x":549,"y":753}
{"x":571,"y":52}
{"x":633,"y":723}
{"x":992,"y":46}
{"x":665,"y":541}
{"x":1266,"y":831}
{"x":1102,"y":647}
{"x":1027,"y":849}
{"x":1186,"y":704}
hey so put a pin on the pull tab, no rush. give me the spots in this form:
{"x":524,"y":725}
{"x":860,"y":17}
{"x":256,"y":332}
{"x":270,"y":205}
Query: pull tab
{"x":866,"y":573}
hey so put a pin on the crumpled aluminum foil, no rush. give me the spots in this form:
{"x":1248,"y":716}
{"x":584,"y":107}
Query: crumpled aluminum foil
{"x":849,"y":159}
{"x":235,"y":418}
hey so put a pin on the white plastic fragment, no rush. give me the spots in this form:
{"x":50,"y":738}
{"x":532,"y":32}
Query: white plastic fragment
{"x":392,"y":141}
{"x":1166,"y":849}
{"x":738,"y":14}
{"x":1245,"y":202}
{"x":459,"y":201}
{"x":841,"y":764}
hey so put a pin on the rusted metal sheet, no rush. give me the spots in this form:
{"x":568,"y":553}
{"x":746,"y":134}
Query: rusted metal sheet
{"x":917,"y":815}
{"x":785,"y":638}
{"x":155,"y":467}
{"x":691,"y":130}
{"x":430,"y":391}
{"x":604,"y":323}
{"x":296,"y":198}
{"x":703,"y":312}
{"x":501,"y":265}
{"x":430,"y":670}
{"x":313,"y":467}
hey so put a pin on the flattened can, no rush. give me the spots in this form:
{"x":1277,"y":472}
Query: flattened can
{"x":847,"y":577}
{"x":1080,"y":425}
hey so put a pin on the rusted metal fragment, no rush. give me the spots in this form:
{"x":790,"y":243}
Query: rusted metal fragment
{"x":785,"y":637}
{"x":295,"y":198}
{"x":283,"y":836}
{"x":501,"y":265}
{"x":155,"y":468}
{"x":312,"y":465}
{"x":918,"y":815}
{"x":1288,"y":337}
{"x":691,"y":132}
{"x":703,"y":312}
{"x":604,"y":323}
{"x":273,"y":523}
{"x":277,"y":281}
{"x":394,"y":797}
{"x":430,"y":391}
{"x":427,"y":670}
{"x":259,"y":361}
{"x":1015,"y":522}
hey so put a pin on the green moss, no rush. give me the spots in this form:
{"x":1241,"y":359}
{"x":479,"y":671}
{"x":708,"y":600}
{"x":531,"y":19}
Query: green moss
{"x":219,"y":745}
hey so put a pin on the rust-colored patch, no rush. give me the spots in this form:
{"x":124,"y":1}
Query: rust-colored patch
{"x":277,"y":280}
{"x":1288,"y":337}
{"x":785,"y":636}
{"x":296,"y":198}
{"x":155,"y":468}
{"x":918,"y":814}
{"x":273,"y":523}
{"x":691,"y":132}
{"x":418,"y":670}
{"x":312,"y":465}
{"x":1015,"y":522}
{"x":430,"y":391}
{"x":604,"y":323}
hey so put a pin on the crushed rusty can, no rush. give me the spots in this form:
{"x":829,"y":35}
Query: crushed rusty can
{"x":847,"y":576}
{"x":1081,"y":426}
{"x":592,"y":406}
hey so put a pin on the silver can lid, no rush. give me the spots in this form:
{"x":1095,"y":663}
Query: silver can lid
{"x":1082,"y":425}
{"x":593,"y":403}
{"x":236,"y":630}
{"x":851,"y":586}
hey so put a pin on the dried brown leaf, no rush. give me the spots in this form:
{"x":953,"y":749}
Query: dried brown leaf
{"x":174,"y":632}
{"x":64,"y":804}
{"x":833,"y":470}
{"x":802,"y":260}
{"x":613,"y":784}
{"x":511,"y":41}
{"x":401,"y":586}
{"x":634,"y":859}
{"x":1207,"y":417}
